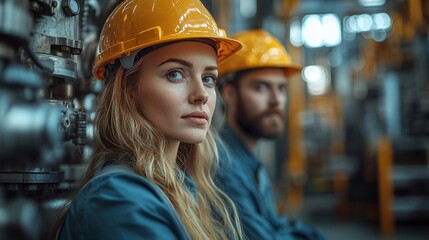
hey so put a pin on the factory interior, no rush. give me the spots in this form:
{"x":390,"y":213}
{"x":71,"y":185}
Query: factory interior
{"x":354,"y":159}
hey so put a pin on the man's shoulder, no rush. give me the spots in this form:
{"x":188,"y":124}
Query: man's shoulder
{"x":232,"y":167}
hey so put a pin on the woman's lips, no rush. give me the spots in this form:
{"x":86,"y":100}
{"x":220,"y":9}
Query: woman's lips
{"x":198,"y":118}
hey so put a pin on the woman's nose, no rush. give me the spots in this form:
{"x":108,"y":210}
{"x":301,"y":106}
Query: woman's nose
{"x":198,"y":93}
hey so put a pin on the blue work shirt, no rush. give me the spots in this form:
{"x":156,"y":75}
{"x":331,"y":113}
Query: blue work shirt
{"x":243,"y":177}
{"x":119,"y":204}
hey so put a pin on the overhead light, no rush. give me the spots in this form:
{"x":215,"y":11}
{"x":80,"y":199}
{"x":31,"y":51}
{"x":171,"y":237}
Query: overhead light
{"x":248,"y":8}
{"x":295,"y":33}
{"x":320,"y":30}
{"x":317,"y":79}
{"x":372,"y":3}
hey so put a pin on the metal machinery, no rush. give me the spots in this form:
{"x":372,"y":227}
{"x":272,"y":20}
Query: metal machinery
{"x":368,"y":138}
{"x":47,"y":105}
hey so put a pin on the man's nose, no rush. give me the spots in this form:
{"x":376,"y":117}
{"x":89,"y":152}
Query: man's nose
{"x":275,"y":97}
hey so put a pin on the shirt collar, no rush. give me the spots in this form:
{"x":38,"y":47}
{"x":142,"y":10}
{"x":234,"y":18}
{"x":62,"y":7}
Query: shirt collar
{"x":237,"y":148}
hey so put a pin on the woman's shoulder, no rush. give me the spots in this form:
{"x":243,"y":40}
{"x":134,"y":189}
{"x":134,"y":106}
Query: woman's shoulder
{"x":119,"y":201}
{"x":122,"y":182}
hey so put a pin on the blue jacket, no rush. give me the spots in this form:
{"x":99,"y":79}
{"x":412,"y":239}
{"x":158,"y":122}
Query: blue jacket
{"x":245,"y":180}
{"x":119,"y":204}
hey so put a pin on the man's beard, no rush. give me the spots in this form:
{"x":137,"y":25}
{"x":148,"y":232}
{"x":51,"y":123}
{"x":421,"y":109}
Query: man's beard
{"x":254,"y":127}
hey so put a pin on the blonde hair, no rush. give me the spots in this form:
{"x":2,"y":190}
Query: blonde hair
{"x":121,"y":130}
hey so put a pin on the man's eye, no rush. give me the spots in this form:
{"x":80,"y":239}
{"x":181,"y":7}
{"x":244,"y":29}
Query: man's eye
{"x":260,"y":87}
{"x":175,"y":75}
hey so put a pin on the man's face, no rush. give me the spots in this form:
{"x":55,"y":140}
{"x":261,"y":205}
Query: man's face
{"x":260,"y":103}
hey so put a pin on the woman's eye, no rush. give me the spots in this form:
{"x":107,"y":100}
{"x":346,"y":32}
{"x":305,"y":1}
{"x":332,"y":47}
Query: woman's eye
{"x":175,"y":75}
{"x":209,"y":80}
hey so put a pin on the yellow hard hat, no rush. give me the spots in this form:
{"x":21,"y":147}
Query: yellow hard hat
{"x":260,"y":50}
{"x":137,"y":24}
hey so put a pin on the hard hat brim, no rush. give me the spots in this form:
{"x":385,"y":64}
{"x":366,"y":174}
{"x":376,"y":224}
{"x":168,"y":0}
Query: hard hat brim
{"x":225,"y":48}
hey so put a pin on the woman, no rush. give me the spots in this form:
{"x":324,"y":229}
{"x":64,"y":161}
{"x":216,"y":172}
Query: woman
{"x":151,"y":173}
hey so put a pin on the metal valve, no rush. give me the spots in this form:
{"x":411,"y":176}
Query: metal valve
{"x":71,"y":7}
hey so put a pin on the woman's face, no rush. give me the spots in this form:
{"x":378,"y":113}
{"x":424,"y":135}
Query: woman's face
{"x":176,"y":90}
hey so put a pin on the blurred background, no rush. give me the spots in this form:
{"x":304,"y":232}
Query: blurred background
{"x":354,"y":160}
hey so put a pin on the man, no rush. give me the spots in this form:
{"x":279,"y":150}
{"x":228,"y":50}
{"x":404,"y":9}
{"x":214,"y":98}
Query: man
{"x":253,"y":86}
